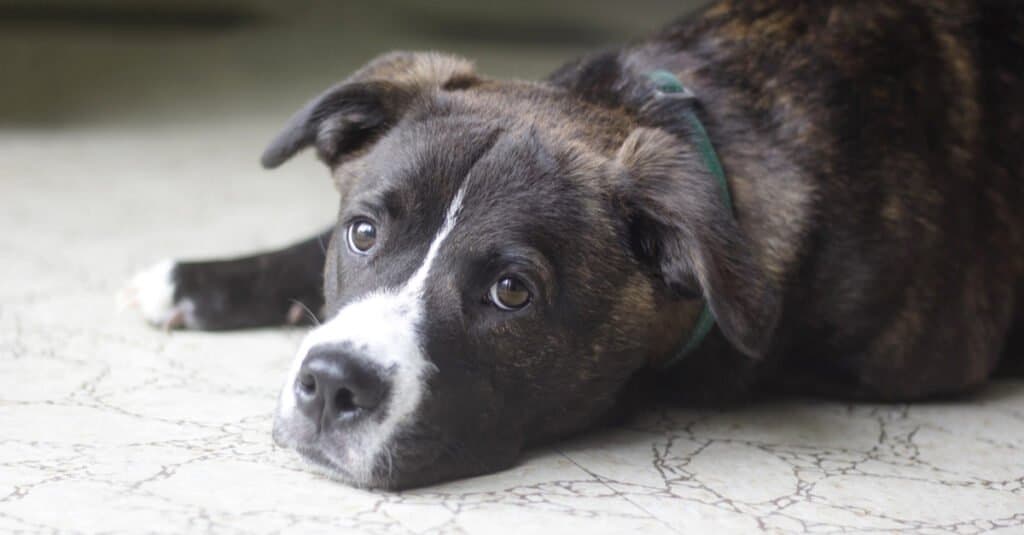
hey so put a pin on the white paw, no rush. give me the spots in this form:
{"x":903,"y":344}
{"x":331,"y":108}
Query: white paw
{"x":151,"y":292}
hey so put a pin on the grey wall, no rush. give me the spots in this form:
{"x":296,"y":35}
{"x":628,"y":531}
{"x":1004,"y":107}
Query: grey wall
{"x":74,"y":61}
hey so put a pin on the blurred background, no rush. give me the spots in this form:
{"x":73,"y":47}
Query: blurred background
{"x":120,"y":61}
{"x":130,"y":130}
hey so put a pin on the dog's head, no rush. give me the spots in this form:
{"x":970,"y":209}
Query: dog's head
{"x":506,"y":257}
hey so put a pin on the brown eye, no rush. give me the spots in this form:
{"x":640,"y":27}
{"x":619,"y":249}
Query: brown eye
{"x":510,"y":293}
{"x":362,"y":235}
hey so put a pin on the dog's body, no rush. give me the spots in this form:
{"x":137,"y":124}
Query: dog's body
{"x":874,"y":248}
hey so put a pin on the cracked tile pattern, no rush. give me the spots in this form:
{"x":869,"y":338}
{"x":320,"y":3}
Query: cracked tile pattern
{"x":109,"y":426}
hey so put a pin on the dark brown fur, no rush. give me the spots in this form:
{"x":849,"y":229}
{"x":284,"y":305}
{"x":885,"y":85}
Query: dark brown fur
{"x":877,"y":247}
{"x":868,"y":145}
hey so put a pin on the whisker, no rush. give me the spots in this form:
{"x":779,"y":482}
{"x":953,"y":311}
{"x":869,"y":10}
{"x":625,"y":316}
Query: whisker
{"x":320,"y":240}
{"x":391,"y":464}
{"x":312,"y":316}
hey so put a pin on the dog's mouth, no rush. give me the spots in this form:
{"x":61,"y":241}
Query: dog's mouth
{"x":415,"y":464}
{"x":317,"y":454}
{"x":322,"y":464}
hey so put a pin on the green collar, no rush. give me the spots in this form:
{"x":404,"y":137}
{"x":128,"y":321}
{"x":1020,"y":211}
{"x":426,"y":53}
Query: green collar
{"x":667,"y":83}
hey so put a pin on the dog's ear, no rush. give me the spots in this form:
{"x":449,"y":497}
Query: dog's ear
{"x":683,"y":228}
{"x":348,"y":117}
{"x":598,"y":77}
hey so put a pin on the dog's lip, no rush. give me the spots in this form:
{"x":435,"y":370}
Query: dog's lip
{"x":316,"y":456}
{"x":313,"y":453}
{"x":316,"y":452}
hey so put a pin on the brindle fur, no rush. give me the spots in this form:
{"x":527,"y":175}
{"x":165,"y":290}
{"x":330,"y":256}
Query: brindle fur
{"x":876,"y":250}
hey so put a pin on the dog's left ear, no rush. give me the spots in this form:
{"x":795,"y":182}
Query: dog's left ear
{"x":350,"y":116}
{"x":683,"y":228}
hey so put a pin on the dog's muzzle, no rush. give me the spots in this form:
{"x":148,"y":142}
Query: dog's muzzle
{"x":356,"y":381}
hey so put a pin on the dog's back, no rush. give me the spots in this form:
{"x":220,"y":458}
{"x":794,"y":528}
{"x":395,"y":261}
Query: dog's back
{"x":877,"y":143}
{"x":999,"y":31}
{"x":1000,"y":36}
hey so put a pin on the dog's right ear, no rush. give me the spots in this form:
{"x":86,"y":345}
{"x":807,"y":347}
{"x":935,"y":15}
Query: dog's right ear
{"x":349,"y":117}
{"x":681,"y":226}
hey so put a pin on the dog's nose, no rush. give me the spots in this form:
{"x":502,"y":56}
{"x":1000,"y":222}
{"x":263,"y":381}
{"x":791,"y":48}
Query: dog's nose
{"x":335,"y":385}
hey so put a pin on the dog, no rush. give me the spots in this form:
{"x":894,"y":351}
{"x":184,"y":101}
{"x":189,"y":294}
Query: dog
{"x":820,"y":197}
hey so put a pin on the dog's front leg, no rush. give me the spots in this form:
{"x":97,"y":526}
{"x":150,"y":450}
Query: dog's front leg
{"x":283,"y":287}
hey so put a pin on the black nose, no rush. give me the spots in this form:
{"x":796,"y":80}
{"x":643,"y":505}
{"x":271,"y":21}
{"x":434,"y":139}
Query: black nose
{"x":334,"y":385}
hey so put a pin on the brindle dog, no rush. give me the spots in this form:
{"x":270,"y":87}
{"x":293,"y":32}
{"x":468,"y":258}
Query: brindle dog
{"x":511,"y":255}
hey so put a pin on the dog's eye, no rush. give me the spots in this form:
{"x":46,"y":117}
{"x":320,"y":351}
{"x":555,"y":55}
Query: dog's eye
{"x":362,"y":235}
{"x":510,"y":293}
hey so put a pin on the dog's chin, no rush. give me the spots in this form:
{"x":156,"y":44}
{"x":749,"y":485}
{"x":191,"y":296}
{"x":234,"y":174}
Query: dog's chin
{"x":322,"y":464}
{"x":321,"y":459}
{"x":415,"y":456}
{"x":396,"y":469}
{"x":332,"y":460}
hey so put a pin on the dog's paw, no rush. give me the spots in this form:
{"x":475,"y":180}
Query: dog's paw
{"x":151,"y":292}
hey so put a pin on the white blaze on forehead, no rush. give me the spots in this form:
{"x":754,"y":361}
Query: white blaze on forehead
{"x":382,"y":328}
{"x":414,"y":286}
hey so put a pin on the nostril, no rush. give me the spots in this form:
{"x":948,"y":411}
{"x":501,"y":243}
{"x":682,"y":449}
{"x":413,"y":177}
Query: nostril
{"x":307,"y":383}
{"x":344,"y":402}
{"x":334,"y":385}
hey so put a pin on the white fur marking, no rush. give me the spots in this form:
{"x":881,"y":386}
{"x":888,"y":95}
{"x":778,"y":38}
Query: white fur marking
{"x":383,"y":326}
{"x":151,"y":291}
